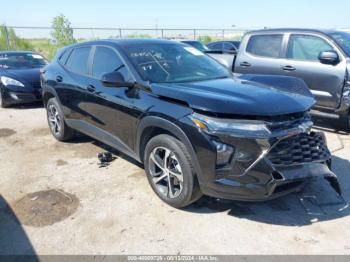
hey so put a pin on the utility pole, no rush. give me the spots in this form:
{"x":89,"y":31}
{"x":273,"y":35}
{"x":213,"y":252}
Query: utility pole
{"x":156,"y":24}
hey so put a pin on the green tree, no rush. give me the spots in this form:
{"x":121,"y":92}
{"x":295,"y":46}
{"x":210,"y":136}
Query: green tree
{"x":205,"y":39}
{"x":62,"y":32}
{"x":10,"y":41}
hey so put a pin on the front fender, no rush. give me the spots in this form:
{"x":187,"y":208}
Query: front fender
{"x":171,"y":127}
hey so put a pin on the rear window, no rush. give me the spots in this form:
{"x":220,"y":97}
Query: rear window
{"x":265,"y":45}
{"x":78,"y":60}
{"x":229,"y":47}
{"x":216,"y":46}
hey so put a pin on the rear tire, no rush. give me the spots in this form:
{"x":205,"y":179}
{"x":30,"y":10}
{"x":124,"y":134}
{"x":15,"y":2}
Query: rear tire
{"x":169,"y":171}
{"x":57,"y":125}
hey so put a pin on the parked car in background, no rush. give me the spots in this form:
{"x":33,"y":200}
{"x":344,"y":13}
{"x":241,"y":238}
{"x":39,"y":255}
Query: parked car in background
{"x":320,"y":57}
{"x":196,"y":129}
{"x":196,"y":44}
{"x":226,"y":46}
{"x":20,"y":77}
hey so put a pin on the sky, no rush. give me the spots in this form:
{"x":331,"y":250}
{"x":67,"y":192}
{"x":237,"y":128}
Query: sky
{"x":248,"y":14}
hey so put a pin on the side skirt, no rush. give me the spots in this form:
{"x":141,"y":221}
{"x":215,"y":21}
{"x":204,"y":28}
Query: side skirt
{"x":102,"y":136}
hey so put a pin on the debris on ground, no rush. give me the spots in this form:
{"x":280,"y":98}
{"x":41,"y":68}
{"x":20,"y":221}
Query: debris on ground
{"x":105,"y":159}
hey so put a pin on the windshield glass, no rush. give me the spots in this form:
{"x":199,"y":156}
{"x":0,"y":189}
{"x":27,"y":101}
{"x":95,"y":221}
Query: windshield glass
{"x":173,"y":63}
{"x":21,"y":60}
{"x":197,"y":45}
{"x":343,"y":40}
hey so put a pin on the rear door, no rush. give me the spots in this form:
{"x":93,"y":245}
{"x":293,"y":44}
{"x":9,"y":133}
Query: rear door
{"x":71,"y":82}
{"x":325,"y":81}
{"x":263,"y":54}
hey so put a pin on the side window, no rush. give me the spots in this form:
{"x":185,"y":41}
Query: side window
{"x":105,"y":61}
{"x":63,"y":58}
{"x":265,"y":45}
{"x":306,"y":47}
{"x":229,"y":47}
{"x":217,"y":46}
{"x":78,"y":60}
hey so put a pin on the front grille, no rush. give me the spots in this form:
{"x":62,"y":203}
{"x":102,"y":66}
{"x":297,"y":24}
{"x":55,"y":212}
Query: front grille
{"x":303,"y":148}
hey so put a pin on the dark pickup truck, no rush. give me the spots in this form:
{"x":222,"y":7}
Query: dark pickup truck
{"x":320,"y":57}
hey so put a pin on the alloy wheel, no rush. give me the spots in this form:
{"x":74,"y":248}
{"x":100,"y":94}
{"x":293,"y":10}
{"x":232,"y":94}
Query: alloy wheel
{"x":54,"y":119}
{"x":166,"y":172}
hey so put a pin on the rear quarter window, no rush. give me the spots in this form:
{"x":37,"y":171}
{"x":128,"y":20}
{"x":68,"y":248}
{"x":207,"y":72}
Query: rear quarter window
{"x":64,"y":56}
{"x":265,"y":45}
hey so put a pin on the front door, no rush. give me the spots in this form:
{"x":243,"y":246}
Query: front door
{"x":325,"y":81}
{"x":112,"y":109}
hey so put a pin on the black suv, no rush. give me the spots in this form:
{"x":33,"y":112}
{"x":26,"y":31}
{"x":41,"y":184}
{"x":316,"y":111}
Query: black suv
{"x":196,"y":129}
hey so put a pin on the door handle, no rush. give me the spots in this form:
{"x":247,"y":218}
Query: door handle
{"x":59,"y":79}
{"x":245,"y":64}
{"x":288,"y":68}
{"x":91,"y":88}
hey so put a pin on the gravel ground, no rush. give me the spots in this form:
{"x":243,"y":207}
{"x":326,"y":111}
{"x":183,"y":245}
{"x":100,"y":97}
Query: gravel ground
{"x":112,"y":210}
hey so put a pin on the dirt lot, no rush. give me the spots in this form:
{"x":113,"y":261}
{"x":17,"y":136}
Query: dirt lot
{"x":55,"y":199}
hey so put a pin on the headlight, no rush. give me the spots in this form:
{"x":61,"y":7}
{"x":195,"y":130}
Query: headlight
{"x":7,"y":81}
{"x":244,"y":128}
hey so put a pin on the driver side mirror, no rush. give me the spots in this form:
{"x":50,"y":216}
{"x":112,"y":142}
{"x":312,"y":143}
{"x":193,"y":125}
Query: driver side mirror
{"x":115,"y":79}
{"x":329,"y":57}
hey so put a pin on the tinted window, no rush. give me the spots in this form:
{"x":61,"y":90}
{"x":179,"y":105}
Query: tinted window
{"x":78,"y":60}
{"x":342,"y":39}
{"x":216,"y":46}
{"x":19,"y":60}
{"x":63,"y":58}
{"x":105,"y":61}
{"x":229,"y":46}
{"x":198,"y":45}
{"x":306,"y":47}
{"x":265,"y":45}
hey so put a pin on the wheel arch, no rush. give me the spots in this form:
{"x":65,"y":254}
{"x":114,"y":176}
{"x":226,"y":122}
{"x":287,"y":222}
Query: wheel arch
{"x":152,"y":126}
{"x":49,"y":93}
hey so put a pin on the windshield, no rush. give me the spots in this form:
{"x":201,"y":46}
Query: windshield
{"x":173,"y":63}
{"x":21,"y":60}
{"x":343,"y":40}
{"x":198,"y":45}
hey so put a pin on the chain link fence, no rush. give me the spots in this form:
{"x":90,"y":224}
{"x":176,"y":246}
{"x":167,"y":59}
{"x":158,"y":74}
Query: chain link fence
{"x":39,"y":38}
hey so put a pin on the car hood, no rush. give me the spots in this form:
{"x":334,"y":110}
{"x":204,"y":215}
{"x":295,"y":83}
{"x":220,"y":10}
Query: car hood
{"x":237,"y":96}
{"x":26,"y":76}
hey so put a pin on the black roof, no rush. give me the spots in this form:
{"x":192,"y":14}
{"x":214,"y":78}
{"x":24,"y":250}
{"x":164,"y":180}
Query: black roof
{"x":128,"y":41}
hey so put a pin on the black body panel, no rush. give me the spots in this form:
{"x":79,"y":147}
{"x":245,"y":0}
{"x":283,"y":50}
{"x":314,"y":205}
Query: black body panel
{"x":127,"y":118}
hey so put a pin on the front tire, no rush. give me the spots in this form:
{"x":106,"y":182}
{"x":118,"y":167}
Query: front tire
{"x":55,"y":118}
{"x":3,"y":104}
{"x":169,"y":171}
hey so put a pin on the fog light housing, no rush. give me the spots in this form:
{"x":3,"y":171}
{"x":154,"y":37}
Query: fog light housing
{"x":14,"y":96}
{"x":224,"y":153}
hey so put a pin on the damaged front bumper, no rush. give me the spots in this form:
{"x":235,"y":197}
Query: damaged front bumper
{"x":263,"y":168}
